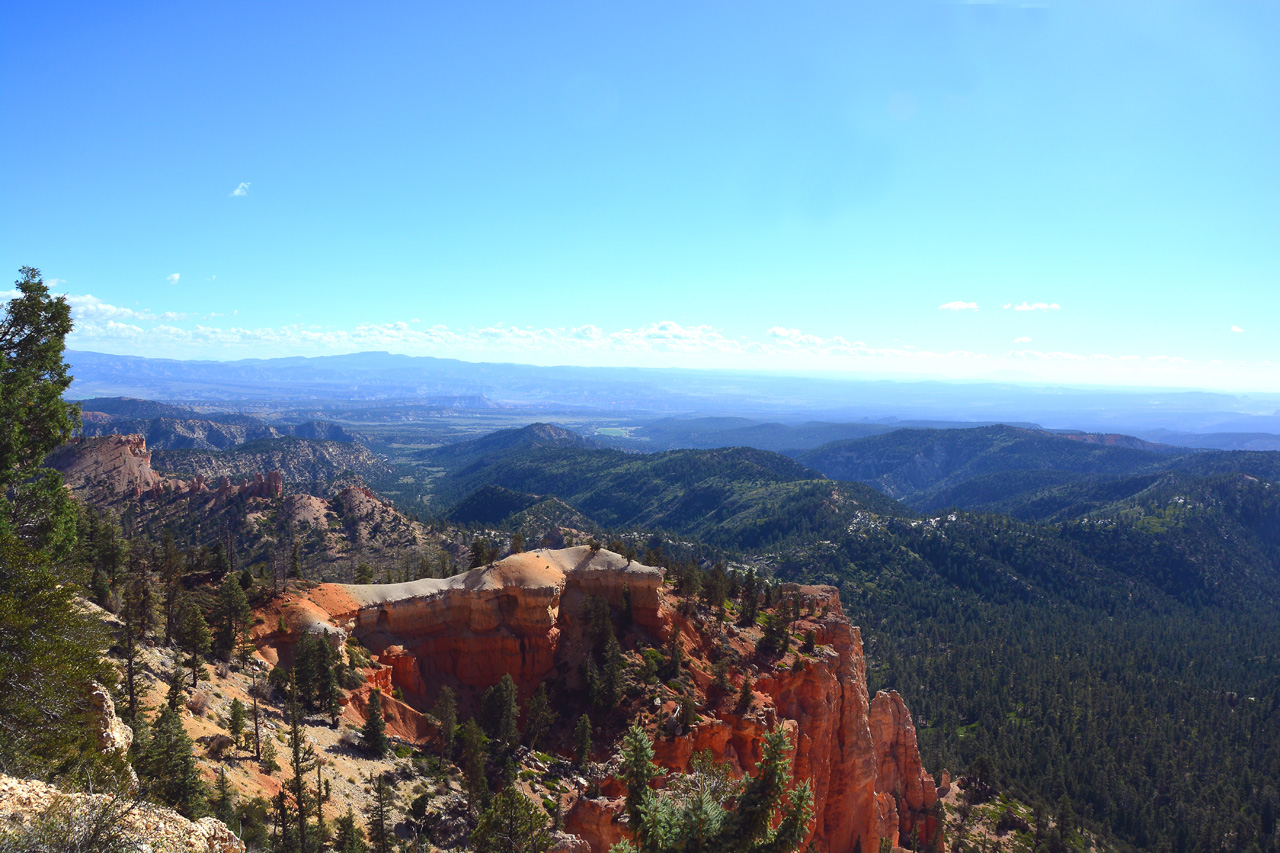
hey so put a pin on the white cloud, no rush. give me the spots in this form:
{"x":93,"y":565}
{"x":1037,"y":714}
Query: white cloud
{"x":104,"y":327}
{"x":957,"y":305}
{"x":1237,"y":329}
{"x":1035,"y":306}
{"x":241,"y":190}
{"x":172,"y":278}
{"x":54,"y":282}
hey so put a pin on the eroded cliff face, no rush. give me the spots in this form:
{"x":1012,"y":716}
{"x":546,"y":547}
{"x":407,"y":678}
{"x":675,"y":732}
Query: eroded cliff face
{"x":486,"y":623}
{"x":520,"y":615}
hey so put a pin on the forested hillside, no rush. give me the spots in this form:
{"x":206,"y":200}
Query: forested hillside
{"x":1123,"y":662}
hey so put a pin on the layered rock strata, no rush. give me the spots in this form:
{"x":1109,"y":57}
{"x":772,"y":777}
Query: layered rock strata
{"x":512,"y":617}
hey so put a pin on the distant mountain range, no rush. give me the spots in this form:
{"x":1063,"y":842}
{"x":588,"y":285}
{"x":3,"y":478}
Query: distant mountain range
{"x":791,"y":398}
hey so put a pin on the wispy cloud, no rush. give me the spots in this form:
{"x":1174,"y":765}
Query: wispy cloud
{"x":1022,"y":340}
{"x":172,"y":278}
{"x":241,"y":190}
{"x":1237,"y":329}
{"x":1034,"y":306}
{"x":957,"y":305}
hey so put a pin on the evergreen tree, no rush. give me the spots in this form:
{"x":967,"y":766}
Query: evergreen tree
{"x":347,"y":836}
{"x":446,"y":712}
{"x":232,"y":617}
{"x":539,"y":716}
{"x":50,"y":649}
{"x":638,"y":770}
{"x":582,"y":740}
{"x":235,"y":721}
{"x":380,"y":818}
{"x":471,"y":761}
{"x":374,"y":732}
{"x":177,"y":693}
{"x":169,"y":767}
{"x":499,"y":712}
{"x":34,"y":508}
{"x":224,"y":804}
{"x":675,"y":654}
{"x":693,"y":812}
{"x":511,"y":824}
{"x":302,"y":760}
{"x":745,"y":696}
{"x":193,"y":639}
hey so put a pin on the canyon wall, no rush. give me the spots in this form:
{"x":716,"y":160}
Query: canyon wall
{"x":522,"y":616}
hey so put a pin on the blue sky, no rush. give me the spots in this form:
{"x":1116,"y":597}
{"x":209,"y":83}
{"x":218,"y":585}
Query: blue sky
{"x":793,"y":185}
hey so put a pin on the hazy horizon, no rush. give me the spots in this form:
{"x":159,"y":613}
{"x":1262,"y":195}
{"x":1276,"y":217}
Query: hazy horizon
{"x":1062,"y":193}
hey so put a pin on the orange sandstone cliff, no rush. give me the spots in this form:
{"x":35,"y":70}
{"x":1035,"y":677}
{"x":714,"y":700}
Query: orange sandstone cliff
{"x":523,"y":616}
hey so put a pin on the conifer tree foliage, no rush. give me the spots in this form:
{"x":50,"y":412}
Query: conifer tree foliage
{"x":499,"y":712}
{"x":471,"y":761}
{"x":169,"y":768}
{"x":582,"y":740}
{"x":34,"y":419}
{"x":704,"y":811}
{"x":348,"y":837}
{"x":193,"y":639}
{"x":374,"y":732}
{"x":511,"y":824}
{"x":302,"y":760}
{"x":380,"y":817}
{"x":50,"y":651}
{"x":539,"y":716}
{"x":446,"y":713}
{"x":232,"y":618}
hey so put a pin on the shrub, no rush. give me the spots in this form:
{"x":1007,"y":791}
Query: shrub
{"x":198,"y":703}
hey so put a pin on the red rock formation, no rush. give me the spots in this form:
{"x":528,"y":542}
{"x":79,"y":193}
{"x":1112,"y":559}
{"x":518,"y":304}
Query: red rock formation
{"x":516,"y":615}
{"x":120,"y":463}
{"x":899,"y":768}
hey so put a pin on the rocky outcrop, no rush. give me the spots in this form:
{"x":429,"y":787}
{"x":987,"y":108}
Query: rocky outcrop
{"x":899,"y":770}
{"x":486,"y":623}
{"x":25,"y":803}
{"x":119,"y":464}
{"x":114,"y":737}
{"x":520,"y":615}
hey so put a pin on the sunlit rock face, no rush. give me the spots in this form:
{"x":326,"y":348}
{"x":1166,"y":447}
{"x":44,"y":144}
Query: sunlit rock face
{"x":523,"y":616}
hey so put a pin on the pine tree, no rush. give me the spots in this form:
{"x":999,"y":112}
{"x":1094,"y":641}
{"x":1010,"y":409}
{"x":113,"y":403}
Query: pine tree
{"x":745,"y":696}
{"x":379,"y":817}
{"x":471,"y":761}
{"x":446,"y":712}
{"x":302,"y":760}
{"x":193,"y":639}
{"x":177,"y":688}
{"x":638,"y":770}
{"x":500,"y":709}
{"x":235,"y":721}
{"x":539,"y":716}
{"x":170,"y":768}
{"x":582,"y":740}
{"x":224,"y":804}
{"x":51,"y":647}
{"x":231,"y":617}
{"x":675,"y":654}
{"x":511,"y":824}
{"x":374,"y":732}
{"x":347,"y":836}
